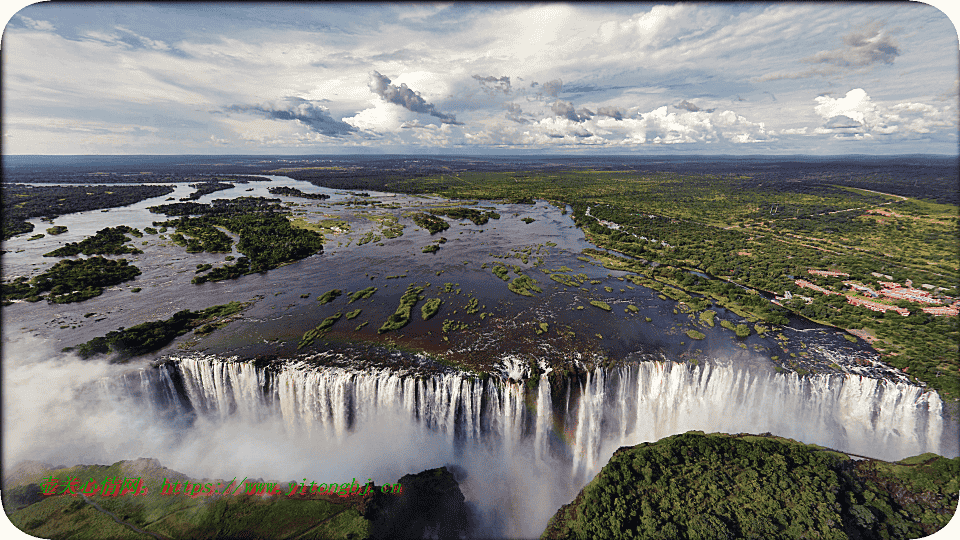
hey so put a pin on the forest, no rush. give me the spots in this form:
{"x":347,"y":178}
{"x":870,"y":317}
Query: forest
{"x":70,"y":280}
{"x":20,"y":203}
{"x":266,"y":237}
{"x":151,"y":336}
{"x":747,"y":486}
{"x":107,"y":241}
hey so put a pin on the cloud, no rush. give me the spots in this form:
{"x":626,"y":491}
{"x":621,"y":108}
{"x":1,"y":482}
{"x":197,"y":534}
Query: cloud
{"x":301,"y":110}
{"x":552,"y":88}
{"x":514,"y":113}
{"x":610,"y":111}
{"x":493,"y":84}
{"x":566,"y":110}
{"x":36,"y":25}
{"x":863,"y":48}
{"x":858,"y":116}
{"x":406,"y":98}
{"x":860,"y":49}
{"x":687,"y":106}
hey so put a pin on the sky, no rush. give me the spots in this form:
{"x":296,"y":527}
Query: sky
{"x":494,"y":78}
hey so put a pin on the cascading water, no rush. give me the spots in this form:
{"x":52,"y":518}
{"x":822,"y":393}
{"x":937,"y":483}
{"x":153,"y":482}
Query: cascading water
{"x":527,"y":448}
{"x":611,"y":406}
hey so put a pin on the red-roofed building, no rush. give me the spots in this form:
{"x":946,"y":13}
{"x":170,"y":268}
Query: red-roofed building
{"x":876,"y":306}
{"x":942,"y":310}
{"x":828,"y":273}
{"x":913,"y":295}
{"x":804,"y":284}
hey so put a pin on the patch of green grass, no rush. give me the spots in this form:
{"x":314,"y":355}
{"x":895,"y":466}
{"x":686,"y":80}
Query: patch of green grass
{"x":693,"y":334}
{"x":362,"y":294}
{"x":430,"y":308}
{"x":401,"y":317}
{"x":601,"y":305}
{"x":524,"y":285}
{"x":310,"y":335}
{"x":329,"y":296}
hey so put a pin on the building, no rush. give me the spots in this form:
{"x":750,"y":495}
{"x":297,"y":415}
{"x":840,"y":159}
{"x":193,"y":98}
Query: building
{"x":950,"y":311}
{"x":804,"y":284}
{"x":861,"y":287}
{"x":828,"y":273}
{"x":876,"y":306}
{"x":911,"y":294}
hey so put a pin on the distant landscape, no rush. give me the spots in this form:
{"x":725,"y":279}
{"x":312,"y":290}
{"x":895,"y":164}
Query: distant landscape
{"x":549,"y":279}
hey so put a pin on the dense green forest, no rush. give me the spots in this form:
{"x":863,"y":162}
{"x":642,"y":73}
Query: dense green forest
{"x":108,"y":241}
{"x":206,"y":188}
{"x":70,"y":281}
{"x":294,"y":192}
{"x":266,"y":237}
{"x":21,"y":202}
{"x":744,"y":486}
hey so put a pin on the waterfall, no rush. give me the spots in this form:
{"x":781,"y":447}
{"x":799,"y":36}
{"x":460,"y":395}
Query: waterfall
{"x":581,"y":424}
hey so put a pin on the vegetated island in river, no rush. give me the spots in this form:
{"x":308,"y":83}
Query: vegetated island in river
{"x":758,"y":486}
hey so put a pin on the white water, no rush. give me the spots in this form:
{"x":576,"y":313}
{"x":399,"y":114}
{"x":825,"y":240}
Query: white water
{"x":526,"y":450}
{"x":616,"y":407}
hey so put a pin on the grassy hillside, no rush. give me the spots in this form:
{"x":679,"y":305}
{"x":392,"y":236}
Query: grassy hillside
{"x":430,"y":500}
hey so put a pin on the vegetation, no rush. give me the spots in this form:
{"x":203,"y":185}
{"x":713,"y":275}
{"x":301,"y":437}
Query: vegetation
{"x":432,"y":248}
{"x":501,"y":272}
{"x":426,"y":503}
{"x":402,"y":316}
{"x":205,"y":188}
{"x":294,"y":192}
{"x":693,"y":334}
{"x":152,"y":336}
{"x":70,"y":281}
{"x":476,"y":216}
{"x":56,"y":229}
{"x":361,"y":294}
{"x":22,"y":202}
{"x":267,"y":238}
{"x":430,"y":308}
{"x":108,"y":241}
{"x":430,"y":222}
{"x":749,"y":234}
{"x":330,"y":296}
{"x":524,"y":285}
{"x":746,"y":486}
{"x":601,"y":305}
{"x":321,"y":330}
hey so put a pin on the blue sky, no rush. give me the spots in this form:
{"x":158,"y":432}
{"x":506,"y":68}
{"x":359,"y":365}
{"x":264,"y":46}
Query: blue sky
{"x":625,"y":78}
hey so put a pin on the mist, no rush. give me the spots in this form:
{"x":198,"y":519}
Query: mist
{"x":61,"y":410}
